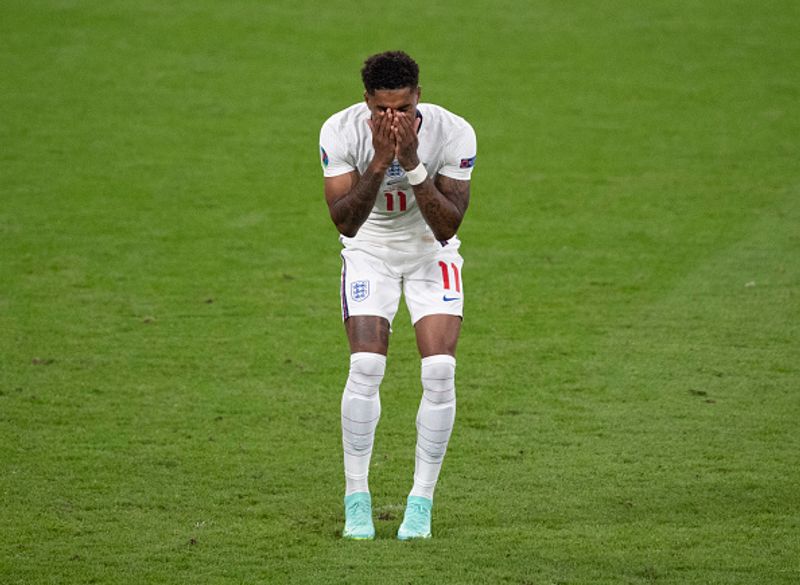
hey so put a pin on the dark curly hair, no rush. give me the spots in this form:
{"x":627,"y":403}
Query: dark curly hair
{"x":389,"y":70}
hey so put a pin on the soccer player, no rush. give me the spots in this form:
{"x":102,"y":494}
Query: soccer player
{"x":397,"y":175}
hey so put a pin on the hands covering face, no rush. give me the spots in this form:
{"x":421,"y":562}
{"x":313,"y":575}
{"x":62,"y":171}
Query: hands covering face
{"x":394,"y":135}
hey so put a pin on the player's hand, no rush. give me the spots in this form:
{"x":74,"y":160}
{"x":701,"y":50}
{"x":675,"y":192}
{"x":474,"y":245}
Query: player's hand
{"x":404,"y":128}
{"x":383,"y":139}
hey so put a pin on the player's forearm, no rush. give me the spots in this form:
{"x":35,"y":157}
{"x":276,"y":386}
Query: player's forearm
{"x":442,"y":215}
{"x":352,"y":210}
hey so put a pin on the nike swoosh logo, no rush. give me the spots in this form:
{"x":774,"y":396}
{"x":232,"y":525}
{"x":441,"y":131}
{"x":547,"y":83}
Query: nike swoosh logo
{"x":446,"y":299}
{"x":395,"y":181}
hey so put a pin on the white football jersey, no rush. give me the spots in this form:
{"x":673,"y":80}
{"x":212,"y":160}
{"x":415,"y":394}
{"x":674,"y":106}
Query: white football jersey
{"x":447,"y":146}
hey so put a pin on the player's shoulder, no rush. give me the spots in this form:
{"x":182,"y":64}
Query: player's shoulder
{"x":347,"y":119}
{"x":443,"y":120}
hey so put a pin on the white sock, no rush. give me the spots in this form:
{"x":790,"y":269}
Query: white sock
{"x":437,"y":411}
{"x":361,"y":409}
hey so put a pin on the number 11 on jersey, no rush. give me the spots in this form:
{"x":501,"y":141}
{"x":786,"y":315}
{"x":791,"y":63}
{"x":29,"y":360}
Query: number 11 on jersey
{"x":390,"y":199}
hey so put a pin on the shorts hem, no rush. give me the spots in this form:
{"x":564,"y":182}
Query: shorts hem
{"x":459,"y":314}
{"x":367,"y":314}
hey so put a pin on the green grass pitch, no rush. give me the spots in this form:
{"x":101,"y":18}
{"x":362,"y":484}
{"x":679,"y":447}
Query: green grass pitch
{"x":171,"y":353}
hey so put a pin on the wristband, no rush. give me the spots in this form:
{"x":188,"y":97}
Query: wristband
{"x":417,"y":175}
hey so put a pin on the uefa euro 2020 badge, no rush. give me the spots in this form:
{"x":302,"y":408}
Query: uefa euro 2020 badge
{"x":359,"y":290}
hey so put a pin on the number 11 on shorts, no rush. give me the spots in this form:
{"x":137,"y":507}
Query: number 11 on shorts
{"x":446,"y":276}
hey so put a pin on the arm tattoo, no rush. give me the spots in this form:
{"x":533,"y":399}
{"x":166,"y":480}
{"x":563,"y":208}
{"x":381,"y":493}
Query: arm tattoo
{"x":352,"y":210}
{"x":443,"y":203}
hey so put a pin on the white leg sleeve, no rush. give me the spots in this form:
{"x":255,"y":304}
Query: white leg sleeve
{"x":361,"y":409}
{"x":437,"y":411}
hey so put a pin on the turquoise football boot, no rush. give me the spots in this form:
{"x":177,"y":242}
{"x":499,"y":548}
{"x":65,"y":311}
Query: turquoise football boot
{"x":417,"y":520}
{"x":358,"y":517}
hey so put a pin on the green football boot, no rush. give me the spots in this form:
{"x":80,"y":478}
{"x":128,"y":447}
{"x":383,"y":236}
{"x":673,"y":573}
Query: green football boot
{"x":417,"y":519}
{"x":358,"y":517}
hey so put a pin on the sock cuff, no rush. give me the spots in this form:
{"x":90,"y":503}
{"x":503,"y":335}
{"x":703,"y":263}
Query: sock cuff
{"x":365,"y":355}
{"x":442,"y":358}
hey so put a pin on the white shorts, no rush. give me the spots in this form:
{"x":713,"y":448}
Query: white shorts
{"x":432,"y":284}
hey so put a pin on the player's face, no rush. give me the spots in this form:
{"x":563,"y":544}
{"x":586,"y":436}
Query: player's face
{"x":403,"y":100}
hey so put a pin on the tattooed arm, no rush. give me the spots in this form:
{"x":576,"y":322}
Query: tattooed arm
{"x":351,"y":196}
{"x":350,"y":199}
{"x":443,"y":203}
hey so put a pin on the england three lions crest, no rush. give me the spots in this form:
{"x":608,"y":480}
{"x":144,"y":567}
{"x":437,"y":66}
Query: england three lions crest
{"x":359,"y":290}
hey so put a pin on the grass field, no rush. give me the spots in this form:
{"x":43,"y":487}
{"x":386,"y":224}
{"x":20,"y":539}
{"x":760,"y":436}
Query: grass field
{"x":171,"y":353}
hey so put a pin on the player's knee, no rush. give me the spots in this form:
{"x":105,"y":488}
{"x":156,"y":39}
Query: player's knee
{"x":361,"y":407}
{"x":366,"y":372}
{"x":439,"y":378}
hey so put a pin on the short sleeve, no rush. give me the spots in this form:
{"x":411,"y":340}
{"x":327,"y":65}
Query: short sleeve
{"x":460,"y":153}
{"x":333,"y":151}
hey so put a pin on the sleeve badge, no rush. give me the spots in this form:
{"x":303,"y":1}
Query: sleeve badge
{"x":467,"y":163}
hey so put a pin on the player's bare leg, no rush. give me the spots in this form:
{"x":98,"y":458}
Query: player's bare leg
{"x":361,"y":409}
{"x":367,"y":333}
{"x":437,"y":336}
